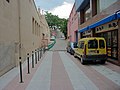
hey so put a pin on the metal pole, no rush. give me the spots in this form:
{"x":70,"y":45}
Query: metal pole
{"x":38,"y":55}
{"x":35,"y":56}
{"x":20,"y":64}
{"x":32,"y":59}
{"x":41,"y":52}
{"x":28,"y":63}
{"x":20,"y":45}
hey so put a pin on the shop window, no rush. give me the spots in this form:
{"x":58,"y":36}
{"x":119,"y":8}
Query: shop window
{"x":114,"y":24}
{"x":109,"y":39}
{"x":114,"y":44}
{"x":114,"y":38}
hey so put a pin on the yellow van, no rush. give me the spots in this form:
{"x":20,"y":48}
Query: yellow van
{"x":91,"y":49}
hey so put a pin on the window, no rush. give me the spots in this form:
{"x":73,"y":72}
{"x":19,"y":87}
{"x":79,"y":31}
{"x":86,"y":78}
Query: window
{"x":33,"y":25}
{"x":103,"y":4}
{"x":114,"y":44}
{"x":82,"y":44}
{"x":109,"y":39}
{"x":101,"y":44}
{"x":114,"y":38}
{"x":75,"y":45}
{"x":88,"y":11}
{"x":8,"y":1}
{"x":88,"y":14}
{"x":92,"y":44}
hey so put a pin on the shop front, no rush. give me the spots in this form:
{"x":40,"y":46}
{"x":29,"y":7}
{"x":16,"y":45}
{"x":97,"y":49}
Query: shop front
{"x":109,"y":28}
{"x":110,"y":32}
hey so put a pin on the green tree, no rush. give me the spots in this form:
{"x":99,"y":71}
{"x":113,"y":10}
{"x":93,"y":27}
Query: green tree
{"x":55,"y":22}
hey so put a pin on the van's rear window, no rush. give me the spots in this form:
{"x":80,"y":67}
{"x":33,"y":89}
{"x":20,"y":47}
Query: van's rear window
{"x":92,"y":44}
{"x":101,"y":44}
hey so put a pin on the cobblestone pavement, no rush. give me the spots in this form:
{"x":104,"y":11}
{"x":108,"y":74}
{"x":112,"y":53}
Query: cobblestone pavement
{"x":58,"y":70}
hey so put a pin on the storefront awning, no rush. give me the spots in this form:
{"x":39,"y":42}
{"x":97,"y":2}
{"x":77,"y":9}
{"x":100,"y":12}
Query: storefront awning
{"x":118,"y":15}
{"x":103,"y":21}
{"x":83,"y":29}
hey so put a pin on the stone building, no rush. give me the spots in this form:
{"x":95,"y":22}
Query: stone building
{"x":21,"y":31}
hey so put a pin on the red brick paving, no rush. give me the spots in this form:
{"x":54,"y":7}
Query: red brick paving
{"x":60,"y":79}
{"x":99,"y":80}
{"x":16,"y":85}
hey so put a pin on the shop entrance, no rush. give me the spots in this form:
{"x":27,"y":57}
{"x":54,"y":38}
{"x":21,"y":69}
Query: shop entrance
{"x":111,"y":38}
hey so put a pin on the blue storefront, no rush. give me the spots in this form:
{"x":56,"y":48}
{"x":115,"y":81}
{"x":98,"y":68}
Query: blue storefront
{"x":107,"y":28}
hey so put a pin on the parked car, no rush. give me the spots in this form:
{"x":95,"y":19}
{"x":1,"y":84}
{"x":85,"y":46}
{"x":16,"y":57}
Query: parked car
{"x":70,"y":47}
{"x":91,"y":49}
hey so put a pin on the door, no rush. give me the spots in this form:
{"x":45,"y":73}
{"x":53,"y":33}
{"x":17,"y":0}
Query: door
{"x":102,"y":47}
{"x":114,"y":44}
{"x":80,"y":48}
{"x":93,"y":47}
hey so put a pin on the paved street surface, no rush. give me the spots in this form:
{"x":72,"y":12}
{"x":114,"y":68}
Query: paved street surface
{"x":60,"y":45}
{"x":58,"y":70}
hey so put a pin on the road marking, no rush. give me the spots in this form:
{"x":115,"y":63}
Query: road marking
{"x":78,"y":79}
{"x":42,"y":77}
{"x":114,"y":76}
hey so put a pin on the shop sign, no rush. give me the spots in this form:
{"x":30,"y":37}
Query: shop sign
{"x":107,"y":27}
{"x":86,"y":33}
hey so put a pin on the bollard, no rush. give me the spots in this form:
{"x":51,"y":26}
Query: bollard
{"x":38,"y":55}
{"x":35,"y":56}
{"x":41,"y":52}
{"x":20,"y":64}
{"x":44,"y":50}
{"x":32,"y":59}
{"x":28,"y":63}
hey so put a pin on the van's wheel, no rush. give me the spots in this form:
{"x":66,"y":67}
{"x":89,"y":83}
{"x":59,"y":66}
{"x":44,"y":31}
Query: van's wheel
{"x":103,"y":61}
{"x":82,"y":61}
{"x":75,"y":55}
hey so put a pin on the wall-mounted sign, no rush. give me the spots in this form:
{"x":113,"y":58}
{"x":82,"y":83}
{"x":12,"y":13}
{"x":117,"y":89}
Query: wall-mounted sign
{"x":86,"y":33}
{"x":107,"y":27}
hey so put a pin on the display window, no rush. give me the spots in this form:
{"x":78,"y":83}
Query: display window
{"x":114,"y":43}
{"x":111,"y":38}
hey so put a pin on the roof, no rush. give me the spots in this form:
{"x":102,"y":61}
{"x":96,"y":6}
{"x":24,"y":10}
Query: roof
{"x":88,"y":38}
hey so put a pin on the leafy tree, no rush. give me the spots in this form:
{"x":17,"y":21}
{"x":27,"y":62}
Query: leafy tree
{"x":55,"y":22}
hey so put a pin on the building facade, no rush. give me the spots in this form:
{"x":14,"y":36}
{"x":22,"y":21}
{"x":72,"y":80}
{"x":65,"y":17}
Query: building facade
{"x":21,"y":31}
{"x":101,"y":18}
{"x":72,"y":26}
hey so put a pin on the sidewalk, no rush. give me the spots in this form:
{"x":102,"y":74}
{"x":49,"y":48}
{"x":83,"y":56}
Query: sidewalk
{"x":58,"y":70}
{"x":11,"y":80}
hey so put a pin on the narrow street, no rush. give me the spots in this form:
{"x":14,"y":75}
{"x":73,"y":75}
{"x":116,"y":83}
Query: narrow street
{"x":58,"y":70}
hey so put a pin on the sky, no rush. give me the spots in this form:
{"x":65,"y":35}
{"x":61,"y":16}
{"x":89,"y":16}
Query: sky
{"x":62,"y":8}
